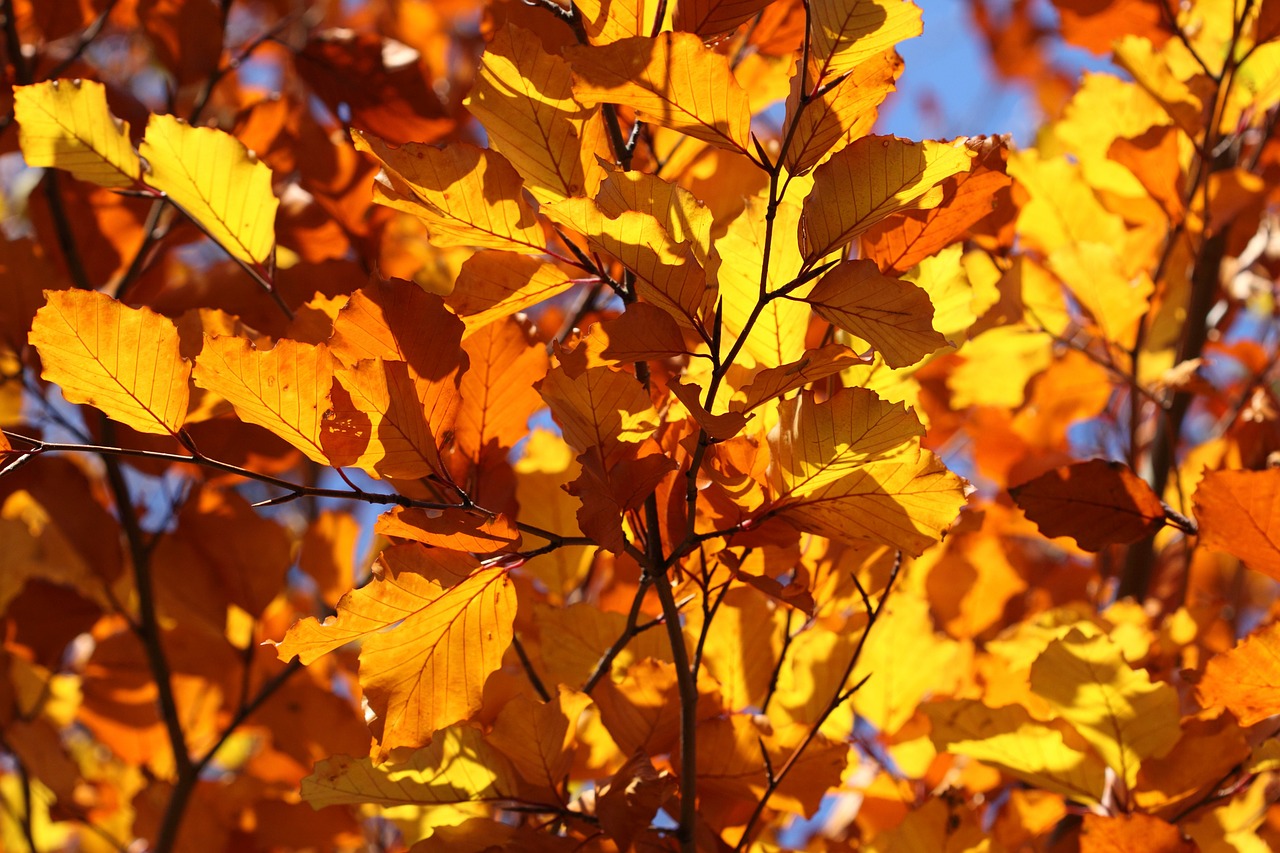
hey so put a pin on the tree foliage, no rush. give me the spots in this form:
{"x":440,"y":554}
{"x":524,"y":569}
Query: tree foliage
{"x":528,"y":426}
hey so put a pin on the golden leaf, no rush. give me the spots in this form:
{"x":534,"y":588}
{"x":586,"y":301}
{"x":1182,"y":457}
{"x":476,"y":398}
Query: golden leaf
{"x":1245,"y":679}
{"x":1008,"y":738}
{"x":217,"y":182}
{"x":67,"y":124}
{"x":846,"y":32}
{"x":121,"y":360}
{"x":906,"y":502}
{"x":284,"y":389}
{"x":672,"y":80}
{"x":538,"y":736}
{"x":452,"y":623}
{"x":458,"y":767}
{"x":524,"y":98}
{"x":873,"y":177}
{"x":819,"y":443}
{"x":837,"y":117}
{"x":467,"y":196}
{"x":1117,"y":709}
{"x":893,"y":315}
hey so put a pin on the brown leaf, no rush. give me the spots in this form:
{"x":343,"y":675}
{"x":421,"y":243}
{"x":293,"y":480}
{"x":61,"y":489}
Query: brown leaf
{"x":1097,"y":503}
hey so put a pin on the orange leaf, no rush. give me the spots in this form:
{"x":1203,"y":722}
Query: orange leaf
{"x":285,"y":389}
{"x":121,"y":360}
{"x":1245,"y":680}
{"x":450,"y":623}
{"x":1127,"y":832}
{"x":1097,"y":503}
{"x":454,"y":529}
{"x":894,"y":316}
{"x":672,"y":80}
{"x":538,"y":736}
{"x":498,"y":395}
{"x":1238,"y":513}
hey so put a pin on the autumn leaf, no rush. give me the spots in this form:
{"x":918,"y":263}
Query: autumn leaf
{"x":892,"y":315}
{"x":1008,"y":738}
{"x":1117,"y":709}
{"x":220,"y":184}
{"x":458,"y":767}
{"x":1245,"y":679}
{"x":538,"y":736}
{"x":67,"y":124}
{"x":816,"y":364}
{"x":524,"y":98}
{"x":1237,"y":511}
{"x":1097,"y":503}
{"x":838,"y":116}
{"x":494,"y":285}
{"x":455,"y":529}
{"x":1103,"y":834}
{"x":846,"y":32}
{"x":452,"y":623}
{"x":285,"y":389}
{"x":672,"y":80}
{"x":468,"y":196}
{"x":906,"y":502}
{"x":121,"y":360}
{"x":846,"y":200}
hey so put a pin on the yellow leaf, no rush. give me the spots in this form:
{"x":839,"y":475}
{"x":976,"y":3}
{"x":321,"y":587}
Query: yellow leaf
{"x":122,"y":360}
{"x":846,"y":32}
{"x":892,"y":692}
{"x":893,"y":315}
{"x":458,"y":767}
{"x":672,"y":80}
{"x":67,"y":124}
{"x":684,"y":218}
{"x":284,"y":389}
{"x":669,"y":277}
{"x":873,"y":177}
{"x":906,"y":502}
{"x":217,"y":182}
{"x":818,"y":443}
{"x":599,"y":408}
{"x":379,"y":420}
{"x":455,"y":529}
{"x":583,"y":632}
{"x":1116,"y":301}
{"x":538,"y":736}
{"x":524,"y":98}
{"x":742,"y":645}
{"x":997,"y":366}
{"x":611,"y":20}
{"x":1117,"y":709}
{"x":545,"y":469}
{"x":467,"y":196}
{"x":1062,"y":208}
{"x":777,"y":337}
{"x":450,"y":623}
{"x":837,"y":117}
{"x":494,"y":285}
{"x":1007,"y":738}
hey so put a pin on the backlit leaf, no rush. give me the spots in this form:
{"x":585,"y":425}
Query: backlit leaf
{"x":873,"y":177}
{"x":467,"y":196}
{"x":839,"y":116}
{"x":493,"y":285}
{"x":524,"y":98}
{"x":845,"y":32}
{"x":814,"y":365}
{"x":1117,"y":709}
{"x":451,"y":622}
{"x":497,"y":391}
{"x":672,"y":80}
{"x":906,"y":502}
{"x":121,"y":360}
{"x":537,"y":736}
{"x":818,"y":443}
{"x":1238,"y":512}
{"x":1245,"y":679}
{"x":458,"y":767}
{"x":893,"y":315}
{"x":454,"y":529}
{"x":220,"y":184}
{"x":285,"y":389}
{"x":1097,"y":503}
{"x":67,"y":124}
{"x":713,"y":17}
{"x":1008,"y":738}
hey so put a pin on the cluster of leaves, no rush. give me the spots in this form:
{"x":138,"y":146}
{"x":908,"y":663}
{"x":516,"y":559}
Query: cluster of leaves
{"x":368,"y":487}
